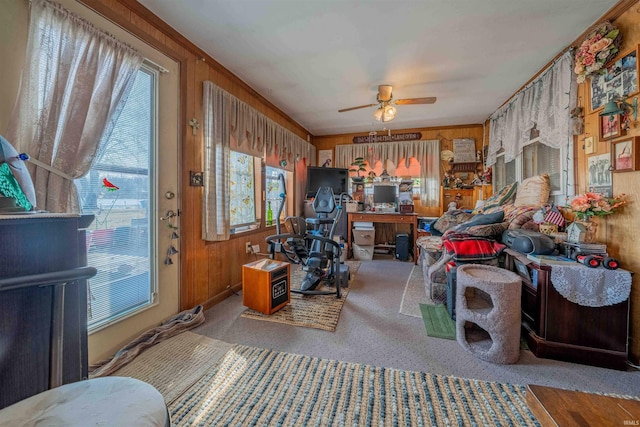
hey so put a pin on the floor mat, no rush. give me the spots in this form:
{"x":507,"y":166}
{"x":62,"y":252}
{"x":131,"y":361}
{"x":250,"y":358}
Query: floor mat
{"x":437,"y":321}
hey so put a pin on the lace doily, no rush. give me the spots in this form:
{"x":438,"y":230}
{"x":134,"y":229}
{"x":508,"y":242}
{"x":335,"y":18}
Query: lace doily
{"x":591,"y":287}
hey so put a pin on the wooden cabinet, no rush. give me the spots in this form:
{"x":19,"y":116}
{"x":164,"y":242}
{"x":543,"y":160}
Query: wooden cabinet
{"x":557,"y":328}
{"x":265,"y":285}
{"x":38,"y":351}
{"x":466,"y":198}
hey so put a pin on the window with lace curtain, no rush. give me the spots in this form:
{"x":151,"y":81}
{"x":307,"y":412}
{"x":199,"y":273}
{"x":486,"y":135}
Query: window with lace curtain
{"x":535,"y":159}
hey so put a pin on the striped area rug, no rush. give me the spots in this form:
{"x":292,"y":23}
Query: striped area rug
{"x":252,"y":386}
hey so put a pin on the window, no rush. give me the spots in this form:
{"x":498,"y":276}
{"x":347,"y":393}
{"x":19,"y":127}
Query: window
{"x":244,"y":190}
{"x":503,"y":173}
{"x":537,"y":159}
{"x":273,"y":192}
{"x":117,"y":191}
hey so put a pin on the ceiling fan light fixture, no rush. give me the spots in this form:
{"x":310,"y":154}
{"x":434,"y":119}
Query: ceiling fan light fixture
{"x":385,"y":113}
{"x":377,"y":114}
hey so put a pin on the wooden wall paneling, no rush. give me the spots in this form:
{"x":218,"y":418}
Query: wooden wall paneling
{"x":614,"y":230}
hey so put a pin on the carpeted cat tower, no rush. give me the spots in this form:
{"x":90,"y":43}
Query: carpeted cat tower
{"x":488,"y":312}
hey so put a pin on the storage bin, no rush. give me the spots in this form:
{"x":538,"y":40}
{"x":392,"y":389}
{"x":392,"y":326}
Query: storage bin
{"x":362,"y":253}
{"x":364,"y":236}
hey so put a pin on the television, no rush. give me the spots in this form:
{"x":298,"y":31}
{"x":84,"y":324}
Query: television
{"x":336,"y":178}
{"x":384,"y":194}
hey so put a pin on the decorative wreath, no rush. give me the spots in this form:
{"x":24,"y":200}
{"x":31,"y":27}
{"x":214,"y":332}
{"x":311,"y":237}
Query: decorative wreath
{"x":596,"y":50}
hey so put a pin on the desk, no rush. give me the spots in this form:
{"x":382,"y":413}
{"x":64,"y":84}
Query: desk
{"x":387,"y":218}
{"x":566,"y":408}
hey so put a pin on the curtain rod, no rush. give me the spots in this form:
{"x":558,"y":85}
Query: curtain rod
{"x":158,"y":67}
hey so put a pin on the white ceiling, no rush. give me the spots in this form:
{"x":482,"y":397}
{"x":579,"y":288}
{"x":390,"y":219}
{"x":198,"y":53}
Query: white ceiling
{"x":312,"y":57}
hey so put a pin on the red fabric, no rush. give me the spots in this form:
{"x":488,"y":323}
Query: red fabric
{"x":464,"y":247}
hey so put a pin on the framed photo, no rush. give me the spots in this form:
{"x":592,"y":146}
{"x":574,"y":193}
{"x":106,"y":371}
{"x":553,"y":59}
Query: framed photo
{"x":625,"y":154}
{"x":590,"y":146}
{"x":618,"y":80}
{"x":610,"y":127}
{"x":325,"y":158}
{"x":600,"y":174}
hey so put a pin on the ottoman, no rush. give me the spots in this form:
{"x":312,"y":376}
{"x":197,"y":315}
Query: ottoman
{"x":108,"y":401}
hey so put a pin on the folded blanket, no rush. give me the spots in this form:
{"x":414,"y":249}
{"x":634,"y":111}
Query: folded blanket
{"x":465,"y":247}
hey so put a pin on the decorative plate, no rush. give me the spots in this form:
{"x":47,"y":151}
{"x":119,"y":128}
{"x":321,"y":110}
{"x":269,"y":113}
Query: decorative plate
{"x":446,"y":155}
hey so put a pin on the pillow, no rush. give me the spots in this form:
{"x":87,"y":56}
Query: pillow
{"x":488,"y":230}
{"x":482,"y":219}
{"x":504,"y":196}
{"x":451,"y":219}
{"x":533,"y":191}
{"x":521,"y":219}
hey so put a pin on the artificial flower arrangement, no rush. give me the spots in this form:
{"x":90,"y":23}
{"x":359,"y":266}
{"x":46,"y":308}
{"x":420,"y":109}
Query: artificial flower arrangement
{"x":600,"y":46}
{"x":595,"y":204}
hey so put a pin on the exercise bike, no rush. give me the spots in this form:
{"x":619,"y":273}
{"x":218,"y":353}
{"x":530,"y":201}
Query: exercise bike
{"x":309,"y":242}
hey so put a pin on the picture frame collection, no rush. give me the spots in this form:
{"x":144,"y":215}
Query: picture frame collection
{"x":618,"y":81}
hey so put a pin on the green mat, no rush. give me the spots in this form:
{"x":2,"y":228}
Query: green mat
{"x":438,"y":322}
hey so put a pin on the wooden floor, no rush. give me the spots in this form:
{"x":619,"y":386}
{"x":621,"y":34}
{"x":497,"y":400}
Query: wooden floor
{"x":567,"y":408}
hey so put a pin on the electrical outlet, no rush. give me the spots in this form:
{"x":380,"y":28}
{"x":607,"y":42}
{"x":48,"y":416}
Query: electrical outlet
{"x":248,"y":247}
{"x":255,"y":249}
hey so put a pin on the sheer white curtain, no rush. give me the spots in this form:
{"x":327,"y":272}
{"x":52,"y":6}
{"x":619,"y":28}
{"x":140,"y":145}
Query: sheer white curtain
{"x":74,"y":84}
{"x":226,"y":118}
{"x":545,"y":103}
{"x":426,"y":152}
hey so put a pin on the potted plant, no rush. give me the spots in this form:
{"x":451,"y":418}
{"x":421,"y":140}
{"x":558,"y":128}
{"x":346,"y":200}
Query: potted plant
{"x":359,"y":165}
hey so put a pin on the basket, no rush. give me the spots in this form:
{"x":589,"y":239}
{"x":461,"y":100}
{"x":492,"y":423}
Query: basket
{"x":352,"y":207}
{"x":548,"y":229}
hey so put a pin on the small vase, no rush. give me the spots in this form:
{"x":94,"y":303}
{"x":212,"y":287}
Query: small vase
{"x":591,"y":230}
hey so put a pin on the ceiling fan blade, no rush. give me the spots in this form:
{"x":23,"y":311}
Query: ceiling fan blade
{"x":428,"y":100}
{"x":356,"y":108}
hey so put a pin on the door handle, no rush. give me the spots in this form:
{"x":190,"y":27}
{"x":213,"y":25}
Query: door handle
{"x":170,"y":214}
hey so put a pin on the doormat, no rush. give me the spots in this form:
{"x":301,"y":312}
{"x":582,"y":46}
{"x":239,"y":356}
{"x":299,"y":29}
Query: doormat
{"x":437,"y":321}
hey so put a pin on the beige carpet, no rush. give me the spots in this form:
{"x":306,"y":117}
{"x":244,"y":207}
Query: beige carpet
{"x":175,"y":364}
{"x":310,"y":311}
{"x":414,"y":294}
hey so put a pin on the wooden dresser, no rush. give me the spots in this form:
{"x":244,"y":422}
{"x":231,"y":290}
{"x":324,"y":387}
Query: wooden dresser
{"x":557,"y":328}
{"x":36,"y":248}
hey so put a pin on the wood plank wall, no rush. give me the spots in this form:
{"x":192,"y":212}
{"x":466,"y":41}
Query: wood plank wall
{"x":446,"y":135}
{"x":208,"y":269}
{"x":621,"y":230}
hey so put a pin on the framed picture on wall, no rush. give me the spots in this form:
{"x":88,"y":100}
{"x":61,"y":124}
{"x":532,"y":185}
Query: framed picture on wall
{"x":618,"y":80}
{"x":590,"y":146}
{"x":325,"y":158}
{"x":599,"y":174}
{"x":625,"y":154}
{"x":610,"y":127}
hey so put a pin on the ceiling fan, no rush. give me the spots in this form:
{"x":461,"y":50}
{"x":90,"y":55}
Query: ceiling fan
{"x":386,"y":110}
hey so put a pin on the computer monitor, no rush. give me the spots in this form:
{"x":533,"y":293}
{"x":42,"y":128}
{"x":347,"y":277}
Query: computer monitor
{"x":384,"y":194}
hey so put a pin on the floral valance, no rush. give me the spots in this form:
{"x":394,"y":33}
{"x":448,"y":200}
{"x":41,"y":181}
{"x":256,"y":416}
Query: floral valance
{"x":255,"y":132}
{"x":426,"y":152}
{"x":545,"y":104}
